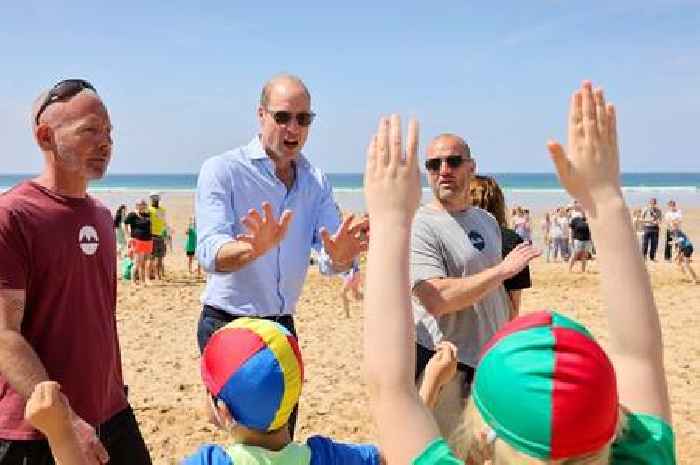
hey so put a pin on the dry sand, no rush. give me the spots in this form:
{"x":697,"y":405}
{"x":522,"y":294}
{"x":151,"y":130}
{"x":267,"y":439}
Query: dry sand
{"x":157,"y":330}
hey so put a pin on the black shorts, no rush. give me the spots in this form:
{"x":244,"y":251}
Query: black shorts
{"x":190,"y":254}
{"x":686,"y":251}
{"x":158,"y":247}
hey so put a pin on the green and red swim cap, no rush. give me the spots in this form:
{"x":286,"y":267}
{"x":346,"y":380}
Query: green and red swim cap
{"x":547,"y":388}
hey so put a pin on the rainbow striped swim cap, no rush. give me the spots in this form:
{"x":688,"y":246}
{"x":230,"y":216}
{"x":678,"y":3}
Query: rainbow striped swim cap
{"x":254,"y":366}
{"x":547,"y":388}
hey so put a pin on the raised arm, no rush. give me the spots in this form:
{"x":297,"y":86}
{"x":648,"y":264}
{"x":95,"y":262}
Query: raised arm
{"x":392,"y":192}
{"x":444,"y":295}
{"x":590,"y":172}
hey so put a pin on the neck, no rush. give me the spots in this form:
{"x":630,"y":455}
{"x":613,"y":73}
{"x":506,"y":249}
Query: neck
{"x":274,"y":441}
{"x":286,"y":173}
{"x":454,"y":206}
{"x":62,"y":183}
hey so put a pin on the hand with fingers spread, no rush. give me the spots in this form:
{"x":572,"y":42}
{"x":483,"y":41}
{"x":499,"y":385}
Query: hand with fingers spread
{"x":590,"y":168}
{"x":347,"y":243}
{"x":264,"y":232}
{"x":518,"y":259}
{"x":392,"y":178}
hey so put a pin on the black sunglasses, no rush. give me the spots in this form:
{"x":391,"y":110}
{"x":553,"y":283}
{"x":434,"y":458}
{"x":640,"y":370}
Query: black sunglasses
{"x":453,"y":161}
{"x":63,"y":91}
{"x":304,"y":119}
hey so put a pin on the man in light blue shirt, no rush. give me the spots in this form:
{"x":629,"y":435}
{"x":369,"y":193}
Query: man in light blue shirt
{"x":257,"y":262}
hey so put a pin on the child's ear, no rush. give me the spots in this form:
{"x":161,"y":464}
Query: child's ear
{"x":224,"y":415}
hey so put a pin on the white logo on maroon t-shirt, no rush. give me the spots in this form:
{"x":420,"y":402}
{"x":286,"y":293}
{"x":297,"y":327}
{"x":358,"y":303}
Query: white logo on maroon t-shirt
{"x":88,"y":240}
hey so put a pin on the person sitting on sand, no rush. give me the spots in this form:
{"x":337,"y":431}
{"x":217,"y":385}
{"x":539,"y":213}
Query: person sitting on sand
{"x":253,"y":373}
{"x":544,"y":390}
{"x":684,"y":251}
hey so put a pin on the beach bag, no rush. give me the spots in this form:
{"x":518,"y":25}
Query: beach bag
{"x":127,"y":266}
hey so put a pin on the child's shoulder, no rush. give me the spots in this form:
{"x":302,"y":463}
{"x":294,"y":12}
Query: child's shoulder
{"x":326,"y":451}
{"x":318,"y":450}
{"x":208,"y":454}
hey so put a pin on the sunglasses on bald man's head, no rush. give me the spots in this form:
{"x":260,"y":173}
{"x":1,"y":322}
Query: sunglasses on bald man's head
{"x":304,"y":119}
{"x":453,"y":161}
{"x":64,"y":90}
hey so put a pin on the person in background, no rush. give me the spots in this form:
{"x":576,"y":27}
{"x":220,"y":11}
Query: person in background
{"x":168,"y":234}
{"x":556,"y":236}
{"x":651,"y":217}
{"x":563,"y":220}
{"x":582,"y":243}
{"x":191,"y":246}
{"x":119,"y":231}
{"x":159,"y":223}
{"x":521,"y":225}
{"x":352,"y":283}
{"x":139,"y":228}
{"x":684,"y":250}
{"x":487,"y":194}
{"x":638,"y":226}
{"x":673,"y":214}
{"x":546,"y":226}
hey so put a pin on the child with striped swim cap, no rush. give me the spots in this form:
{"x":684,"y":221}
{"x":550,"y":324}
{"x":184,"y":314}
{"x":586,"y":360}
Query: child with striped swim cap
{"x":253,"y":370}
{"x":544,"y":391}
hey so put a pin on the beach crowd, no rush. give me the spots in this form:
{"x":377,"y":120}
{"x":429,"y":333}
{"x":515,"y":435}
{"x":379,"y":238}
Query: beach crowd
{"x":455,"y":373}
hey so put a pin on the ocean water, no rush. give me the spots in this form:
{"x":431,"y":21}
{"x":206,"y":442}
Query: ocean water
{"x":534,"y":190}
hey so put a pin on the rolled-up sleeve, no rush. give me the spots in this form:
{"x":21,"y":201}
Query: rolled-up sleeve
{"x":214,"y":211}
{"x":328,"y":217}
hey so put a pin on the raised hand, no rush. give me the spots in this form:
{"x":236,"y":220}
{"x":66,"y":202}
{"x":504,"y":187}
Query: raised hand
{"x":72,"y":440}
{"x":590,"y":169}
{"x":48,"y":411}
{"x":392,"y":178}
{"x":264,"y":232}
{"x":517,"y":259}
{"x":346,"y":243}
{"x":443,"y":365}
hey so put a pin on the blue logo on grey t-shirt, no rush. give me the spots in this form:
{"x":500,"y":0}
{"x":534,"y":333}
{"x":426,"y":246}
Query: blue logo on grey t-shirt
{"x":477,"y":240}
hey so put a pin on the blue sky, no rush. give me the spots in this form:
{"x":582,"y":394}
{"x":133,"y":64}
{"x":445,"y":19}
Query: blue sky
{"x":182,"y":80}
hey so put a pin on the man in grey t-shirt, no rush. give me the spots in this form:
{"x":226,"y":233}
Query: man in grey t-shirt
{"x":457,"y":272}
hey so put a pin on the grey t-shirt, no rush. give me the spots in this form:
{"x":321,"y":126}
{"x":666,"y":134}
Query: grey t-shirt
{"x":454,"y":245}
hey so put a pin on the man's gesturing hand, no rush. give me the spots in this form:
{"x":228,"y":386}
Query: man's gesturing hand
{"x":346,"y":243}
{"x":264,"y":232}
{"x":518,"y":259}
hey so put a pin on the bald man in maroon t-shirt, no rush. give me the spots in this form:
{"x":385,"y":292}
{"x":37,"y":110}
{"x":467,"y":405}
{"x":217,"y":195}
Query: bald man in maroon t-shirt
{"x":58,"y":289}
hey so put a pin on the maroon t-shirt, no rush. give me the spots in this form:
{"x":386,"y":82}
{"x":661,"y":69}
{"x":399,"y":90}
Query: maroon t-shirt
{"x":61,"y":250}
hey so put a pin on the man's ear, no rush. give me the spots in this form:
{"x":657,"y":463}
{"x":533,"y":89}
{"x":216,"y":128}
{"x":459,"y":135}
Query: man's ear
{"x":261,"y":115}
{"x":44,"y":137}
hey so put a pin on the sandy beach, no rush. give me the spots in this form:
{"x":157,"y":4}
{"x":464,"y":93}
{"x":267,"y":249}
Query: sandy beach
{"x":160,"y":357}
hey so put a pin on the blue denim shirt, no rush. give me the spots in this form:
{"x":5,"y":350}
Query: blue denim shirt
{"x":229,"y":185}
